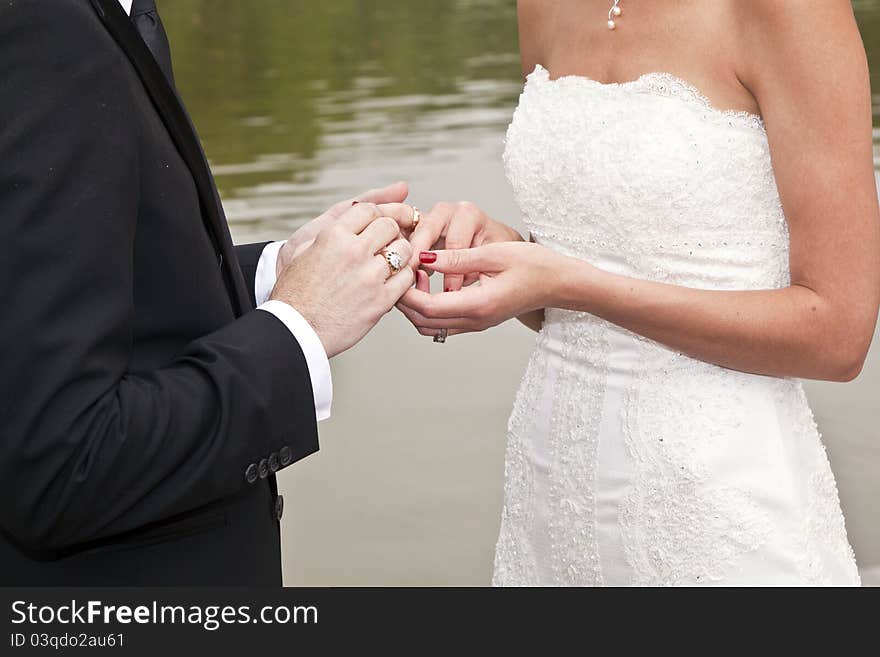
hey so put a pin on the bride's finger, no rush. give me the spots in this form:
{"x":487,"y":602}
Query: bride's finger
{"x":440,"y":244}
{"x":459,"y":235}
{"x":416,"y":318}
{"x":469,"y":303}
{"x":423,"y":281}
{"x":431,"y":229}
{"x":423,"y":323}
{"x":430,"y":333}
{"x":470,"y":279}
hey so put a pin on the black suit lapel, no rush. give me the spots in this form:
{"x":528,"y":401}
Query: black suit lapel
{"x":183,"y":134}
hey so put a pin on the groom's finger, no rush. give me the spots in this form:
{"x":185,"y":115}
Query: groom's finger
{"x":394,"y":193}
{"x":398,"y":284}
{"x":358,"y":217}
{"x":402,"y":248}
{"x":402,"y":213}
{"x":380,"y":233}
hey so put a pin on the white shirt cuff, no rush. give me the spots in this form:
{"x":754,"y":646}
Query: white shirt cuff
{"x":264,"y":282}
{"x":312,"y":348}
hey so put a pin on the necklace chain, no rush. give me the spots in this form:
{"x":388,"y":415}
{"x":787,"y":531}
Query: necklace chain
{"x":613,"y":13}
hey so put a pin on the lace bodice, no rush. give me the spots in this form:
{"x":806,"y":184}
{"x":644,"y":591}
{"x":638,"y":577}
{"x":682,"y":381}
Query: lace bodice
{"x":647,"y":179}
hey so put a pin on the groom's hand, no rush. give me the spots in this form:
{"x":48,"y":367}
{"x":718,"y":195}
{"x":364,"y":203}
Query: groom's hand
{"x":341,"y":283}
{"x":305,"y":235}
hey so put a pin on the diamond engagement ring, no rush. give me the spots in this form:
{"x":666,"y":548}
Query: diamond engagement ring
{"x":395,"y":261}
{"x":441,"y":336}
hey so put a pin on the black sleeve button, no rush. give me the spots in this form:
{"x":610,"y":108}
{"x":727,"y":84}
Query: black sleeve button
{"x":274,"y":462}
{"x":263,"y":468}
{"x":286,"y":456}
{"x":250,"y":475}
{"x":279,"y":507}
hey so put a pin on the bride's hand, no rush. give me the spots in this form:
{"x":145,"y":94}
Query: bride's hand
{"x":515,"y":278}
{"x":458,"y":226}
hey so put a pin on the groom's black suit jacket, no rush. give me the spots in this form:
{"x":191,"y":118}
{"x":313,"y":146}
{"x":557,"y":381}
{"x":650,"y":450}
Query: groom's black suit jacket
{"x":144,"y":404}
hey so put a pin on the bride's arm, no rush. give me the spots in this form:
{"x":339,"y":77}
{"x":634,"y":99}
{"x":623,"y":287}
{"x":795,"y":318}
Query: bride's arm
{"x":810,"y":78}
{"x":534,"y":319}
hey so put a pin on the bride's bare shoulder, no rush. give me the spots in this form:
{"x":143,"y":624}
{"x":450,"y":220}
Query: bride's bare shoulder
{"x":779,"y":24}
{"x":782,"y":41}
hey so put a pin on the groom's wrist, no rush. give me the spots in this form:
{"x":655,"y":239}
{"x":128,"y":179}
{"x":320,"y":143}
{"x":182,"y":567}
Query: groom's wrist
{"x":313,"y":349}
{"x":266,"y":275}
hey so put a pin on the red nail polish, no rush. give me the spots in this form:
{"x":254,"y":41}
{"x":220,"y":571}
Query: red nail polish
{"x":448,"y":289}
{"x":354,"y":203}
{"x":426,"y":257}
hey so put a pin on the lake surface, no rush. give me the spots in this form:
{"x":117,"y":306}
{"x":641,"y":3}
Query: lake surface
{"x":301,"y":103}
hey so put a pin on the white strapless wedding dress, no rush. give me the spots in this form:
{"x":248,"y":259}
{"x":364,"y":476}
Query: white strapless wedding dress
{"x":629,"y":463}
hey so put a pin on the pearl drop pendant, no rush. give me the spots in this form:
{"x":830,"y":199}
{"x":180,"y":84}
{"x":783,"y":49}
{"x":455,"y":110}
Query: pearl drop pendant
{"x":614,"y":12}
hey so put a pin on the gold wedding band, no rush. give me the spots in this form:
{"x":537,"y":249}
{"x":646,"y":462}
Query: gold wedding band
{"x":417,"y":217}
{"x":394,"y":259}
{"x":441,"y":336}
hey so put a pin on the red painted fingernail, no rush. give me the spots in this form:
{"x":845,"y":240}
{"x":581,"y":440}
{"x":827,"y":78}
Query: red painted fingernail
{"x":449,"y":289}
{"x":353,"y":203}
{"x":426,"y":257}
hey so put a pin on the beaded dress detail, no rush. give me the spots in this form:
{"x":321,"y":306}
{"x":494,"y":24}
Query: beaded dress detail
{"x":629,"y":463}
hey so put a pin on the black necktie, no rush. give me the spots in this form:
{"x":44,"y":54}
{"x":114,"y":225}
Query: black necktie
{"x":146,"y":20}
